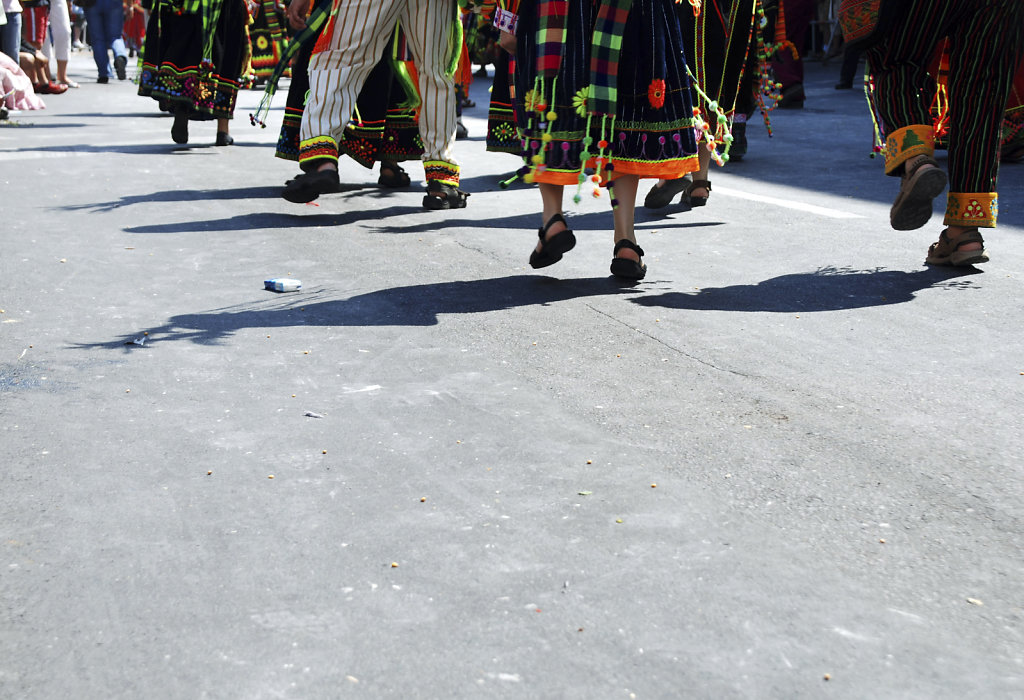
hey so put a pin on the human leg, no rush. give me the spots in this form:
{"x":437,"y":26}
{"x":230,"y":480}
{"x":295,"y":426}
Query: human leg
{"x":99,"y":39}
{"x":427,"y":25}
{"x":626,"y":255}
{"x":983,"y":59}
{"x":60,"y":32}
{"x":343,"y":57}
{"x":113,"y":21}
{"x":903,"y":96}
{"x":11,"y":34}
{"x":556,"y":238}
{"x":224,"y":133}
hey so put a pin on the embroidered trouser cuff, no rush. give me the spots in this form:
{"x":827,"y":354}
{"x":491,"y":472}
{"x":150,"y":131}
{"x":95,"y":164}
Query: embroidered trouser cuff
{"x":441,"y":171}
{"x":906,"y":143}
{"x":971,"y":209}
{"x":316,"y":151}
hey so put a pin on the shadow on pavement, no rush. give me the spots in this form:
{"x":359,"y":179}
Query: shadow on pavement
{"x":416,"y":305}
{"x":269,"y":220}
{"x":256,"y":192}
{"x":826,"y":289}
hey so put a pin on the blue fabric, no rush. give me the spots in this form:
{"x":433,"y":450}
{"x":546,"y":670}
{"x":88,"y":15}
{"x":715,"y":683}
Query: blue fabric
{"x":104,"y":23}
{"x":12,"y":35}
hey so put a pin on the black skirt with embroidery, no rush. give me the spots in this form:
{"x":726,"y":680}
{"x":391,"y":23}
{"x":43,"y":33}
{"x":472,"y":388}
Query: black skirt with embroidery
{"x":172,"y":60}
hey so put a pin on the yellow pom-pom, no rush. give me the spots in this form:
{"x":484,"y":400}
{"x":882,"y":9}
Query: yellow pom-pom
{"x":528,"y":177}
{"x":552,"y":116}
{"x":545,"y":138}
{"x":537,"y":159}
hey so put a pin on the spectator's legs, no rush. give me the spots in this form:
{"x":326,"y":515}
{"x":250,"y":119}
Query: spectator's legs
{"x":95,"y":18}
{"x":60,"y":32}
{"x":11,"y":33}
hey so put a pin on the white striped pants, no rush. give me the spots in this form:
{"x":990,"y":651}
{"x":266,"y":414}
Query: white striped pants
{"x":359,"y":31}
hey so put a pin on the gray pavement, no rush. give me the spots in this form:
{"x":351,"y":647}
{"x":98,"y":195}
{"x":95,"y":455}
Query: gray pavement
{"x":786,"y":465}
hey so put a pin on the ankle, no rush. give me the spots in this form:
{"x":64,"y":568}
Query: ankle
{"x":957,"y":231}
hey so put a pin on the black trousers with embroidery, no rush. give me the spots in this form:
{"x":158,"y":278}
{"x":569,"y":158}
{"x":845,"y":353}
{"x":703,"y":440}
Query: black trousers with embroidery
{"x":986,"y":41}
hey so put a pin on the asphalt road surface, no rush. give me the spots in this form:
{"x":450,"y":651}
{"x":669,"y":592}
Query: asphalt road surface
{"x":785,"y":465}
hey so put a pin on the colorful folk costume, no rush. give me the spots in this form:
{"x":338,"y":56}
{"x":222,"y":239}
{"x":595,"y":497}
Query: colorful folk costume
{"x":601,"y":84}
{"x":384,"y":127}
{"x":986,"y":40}
{"x":267,"y":39}
{"x":350,"y":46}
{"x":1011,"y":140}
{"x":722,"y":39}
{"x":195,"y":54}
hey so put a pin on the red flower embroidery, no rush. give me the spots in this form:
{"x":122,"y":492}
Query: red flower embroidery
{"x":656,"y":93}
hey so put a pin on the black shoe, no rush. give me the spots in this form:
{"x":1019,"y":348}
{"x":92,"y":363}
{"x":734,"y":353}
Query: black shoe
{"x":120,"y":63}
{"x":442,"y":196}
{"x":224,"y":139}
{"x":3,"y":113}
{"x":179,"y":130}
{"x":308,"y":186}
{"x":103,"y":80}
{"x":739,"y":141}
{"x":461,"y":132}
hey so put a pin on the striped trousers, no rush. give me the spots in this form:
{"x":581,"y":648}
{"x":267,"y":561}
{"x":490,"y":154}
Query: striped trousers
{"x":349,"y":47}
{"x":986,"y":40}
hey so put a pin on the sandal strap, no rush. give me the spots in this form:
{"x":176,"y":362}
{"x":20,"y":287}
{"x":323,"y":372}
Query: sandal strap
{"x":963,"y":238}
{"x":551,"y":222}
{"x":697,"y":184}
{"x":626,"y":243}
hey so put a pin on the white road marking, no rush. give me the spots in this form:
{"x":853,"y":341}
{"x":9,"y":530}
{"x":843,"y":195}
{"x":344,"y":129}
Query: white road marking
{"x":788,"y":204}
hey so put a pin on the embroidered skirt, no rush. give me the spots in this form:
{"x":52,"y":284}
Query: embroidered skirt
{"x":172,"y":60}
{"x":651,"y":132}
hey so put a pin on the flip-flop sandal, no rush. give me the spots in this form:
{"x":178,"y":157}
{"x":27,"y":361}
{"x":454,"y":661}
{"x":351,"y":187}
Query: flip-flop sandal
{"x":946,"y":251}
{"x":624,"y":267}
{"x":913,"y":205}
{"x":552,"y":249}
{"x":308,"y":186}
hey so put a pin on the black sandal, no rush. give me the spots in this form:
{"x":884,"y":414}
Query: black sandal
{"x":552,"y":249}
{"x":661,"y":196}
{"x":398,"y":177}
{"x":442,"y":196}
{"x":624,"y":267}
{"x":690,"y":199}
{"x":224,"y":139}
{"x":308,"y":186}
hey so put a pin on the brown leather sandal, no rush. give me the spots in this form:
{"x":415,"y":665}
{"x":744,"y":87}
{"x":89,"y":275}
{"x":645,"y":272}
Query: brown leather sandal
{"x":920,"y":185}
{"x":946,"y":251}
